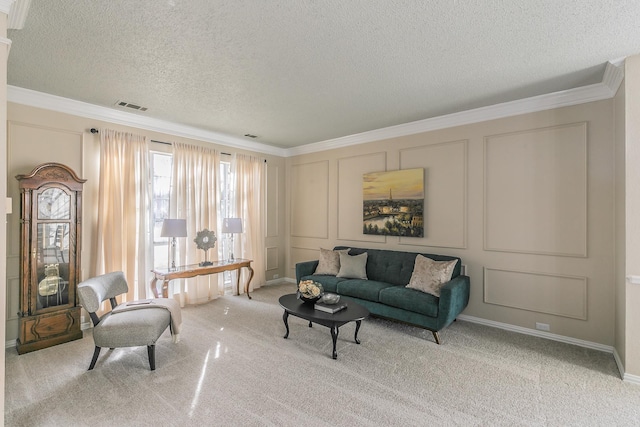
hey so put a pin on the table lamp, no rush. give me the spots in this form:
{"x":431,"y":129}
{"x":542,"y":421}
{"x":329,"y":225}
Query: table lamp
{"x":174,"y":228}
{"x":231,"y":226}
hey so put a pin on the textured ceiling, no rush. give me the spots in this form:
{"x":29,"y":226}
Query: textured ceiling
{"x":294,"y":72}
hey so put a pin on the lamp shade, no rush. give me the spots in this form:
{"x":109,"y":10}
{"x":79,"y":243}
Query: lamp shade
{"x":232,"y":225}
{"x":174,"y":228}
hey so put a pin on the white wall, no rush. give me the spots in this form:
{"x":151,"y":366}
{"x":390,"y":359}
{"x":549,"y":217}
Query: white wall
{"x":631,"y":345}
{"x":620,"y":248}
{"x":3,"y":181}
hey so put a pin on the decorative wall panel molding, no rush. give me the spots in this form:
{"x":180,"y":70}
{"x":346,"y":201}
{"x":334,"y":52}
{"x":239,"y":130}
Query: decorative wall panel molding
{"x":13,"y":294}
{"x":535,"y":191}
{"x":271,"y":261}
{"x":300,"y":254}
{"x":349,"y":191}
{"x":445,"y":171}
{"x":560,"y":295}
{"x":22,"y":157}
{"x":272,"y":201}
{"x":309,"y":209}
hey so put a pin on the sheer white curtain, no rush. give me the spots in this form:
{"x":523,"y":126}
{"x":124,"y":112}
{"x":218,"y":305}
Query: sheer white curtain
{"x":195,"y":197}
{"x":249,"y":173}
{"x":123,"y":206}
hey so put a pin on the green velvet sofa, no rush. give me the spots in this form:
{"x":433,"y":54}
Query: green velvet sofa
{"x":384,"y":292}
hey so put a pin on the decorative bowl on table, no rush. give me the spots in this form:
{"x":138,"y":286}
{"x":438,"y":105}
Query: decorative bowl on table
{"x":330,"y":299}
{"x":309,"y":291}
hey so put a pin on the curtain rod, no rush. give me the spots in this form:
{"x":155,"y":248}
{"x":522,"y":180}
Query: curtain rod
{"x":94,"y":130}
{"x":161,"y":142}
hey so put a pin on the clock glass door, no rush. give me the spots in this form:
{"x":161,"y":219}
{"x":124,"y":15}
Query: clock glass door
{"x":54,"y":203}
{"x":52,"y":265}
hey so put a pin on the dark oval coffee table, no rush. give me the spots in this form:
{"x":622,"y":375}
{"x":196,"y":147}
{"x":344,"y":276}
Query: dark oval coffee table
{"x":295,"y":307}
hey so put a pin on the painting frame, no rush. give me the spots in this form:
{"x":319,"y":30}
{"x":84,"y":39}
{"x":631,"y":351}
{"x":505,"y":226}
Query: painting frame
{"x":393,"y":203}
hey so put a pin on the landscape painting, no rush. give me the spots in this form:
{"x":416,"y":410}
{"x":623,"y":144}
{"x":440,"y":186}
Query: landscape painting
{"x":393,"y":203}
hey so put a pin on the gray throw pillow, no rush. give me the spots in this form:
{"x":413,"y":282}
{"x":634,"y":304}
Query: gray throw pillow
{"x":353,"y":266}
{"x":329,"y":262}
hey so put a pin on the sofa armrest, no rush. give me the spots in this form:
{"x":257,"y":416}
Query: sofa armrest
{"x":306,"y":268}
{"x":454,"y":297}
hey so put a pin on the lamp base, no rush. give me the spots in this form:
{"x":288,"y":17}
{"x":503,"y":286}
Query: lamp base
{"x":205,"y":263}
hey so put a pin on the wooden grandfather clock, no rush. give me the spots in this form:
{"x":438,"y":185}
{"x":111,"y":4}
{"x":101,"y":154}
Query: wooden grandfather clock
{"x":51,"y":213}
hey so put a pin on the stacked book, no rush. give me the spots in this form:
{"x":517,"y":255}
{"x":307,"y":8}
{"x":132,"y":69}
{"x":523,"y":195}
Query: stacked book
{"x":330,"y":308}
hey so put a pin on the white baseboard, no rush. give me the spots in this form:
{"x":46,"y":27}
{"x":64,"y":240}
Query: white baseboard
{"x":13,"y":343}
{"x":629,"y":378}
{"x":619,"y":363}
{"x":85,"y":325}
{"x":536,"y":333}
{"x":280,"y":280}
{"x":633,"y":379}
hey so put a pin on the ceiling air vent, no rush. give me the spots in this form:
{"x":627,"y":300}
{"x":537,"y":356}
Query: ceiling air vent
{"x":130,"y":105}
{"x":250,"y":135}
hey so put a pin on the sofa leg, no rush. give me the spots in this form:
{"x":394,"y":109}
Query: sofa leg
{"x":436,"y":336}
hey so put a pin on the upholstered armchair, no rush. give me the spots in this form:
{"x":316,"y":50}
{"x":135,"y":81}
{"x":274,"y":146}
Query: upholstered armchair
{"x":132,"y":324}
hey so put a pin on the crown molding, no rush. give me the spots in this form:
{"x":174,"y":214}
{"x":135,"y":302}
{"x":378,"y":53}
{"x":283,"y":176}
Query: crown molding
{"x":613,"y":75}
{"x":607,"y":89}
{"x":82,"y":109}
{"x":5,"y":6}
{"x":612,"y":78}
{"x":18,"y":14}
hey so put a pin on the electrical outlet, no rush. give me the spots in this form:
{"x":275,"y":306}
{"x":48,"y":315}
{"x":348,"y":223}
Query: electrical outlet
{"x":276,"y":276}
{"x":543,"y":326}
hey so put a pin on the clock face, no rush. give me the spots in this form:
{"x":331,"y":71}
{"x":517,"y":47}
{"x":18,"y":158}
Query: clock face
{"x":44,"y":208}
{"x":54,"y":203}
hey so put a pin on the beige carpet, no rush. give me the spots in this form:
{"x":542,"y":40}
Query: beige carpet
{"x":232,"y":367}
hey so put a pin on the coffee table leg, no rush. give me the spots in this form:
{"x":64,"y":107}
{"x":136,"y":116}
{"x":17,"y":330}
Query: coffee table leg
{"x":285,"y":318}
{"x":334,"y":336}
{"x":358,"y":322}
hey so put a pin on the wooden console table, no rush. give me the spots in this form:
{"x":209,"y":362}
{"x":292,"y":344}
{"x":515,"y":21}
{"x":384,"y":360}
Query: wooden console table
{"x":193,"y":270}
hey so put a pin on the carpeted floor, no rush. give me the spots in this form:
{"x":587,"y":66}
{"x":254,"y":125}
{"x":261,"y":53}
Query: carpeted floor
{"x":232,"y":367}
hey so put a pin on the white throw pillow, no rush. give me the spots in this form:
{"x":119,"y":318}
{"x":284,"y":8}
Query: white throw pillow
{"x":329,"y":262}
{"x":353,"y":266}
{"x":429,"y":275}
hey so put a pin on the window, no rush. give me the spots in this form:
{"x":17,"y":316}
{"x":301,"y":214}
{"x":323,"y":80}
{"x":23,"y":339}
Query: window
{"x":161,"y":167}
{"x":160,"y":190}
{"x":224,"y":210}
